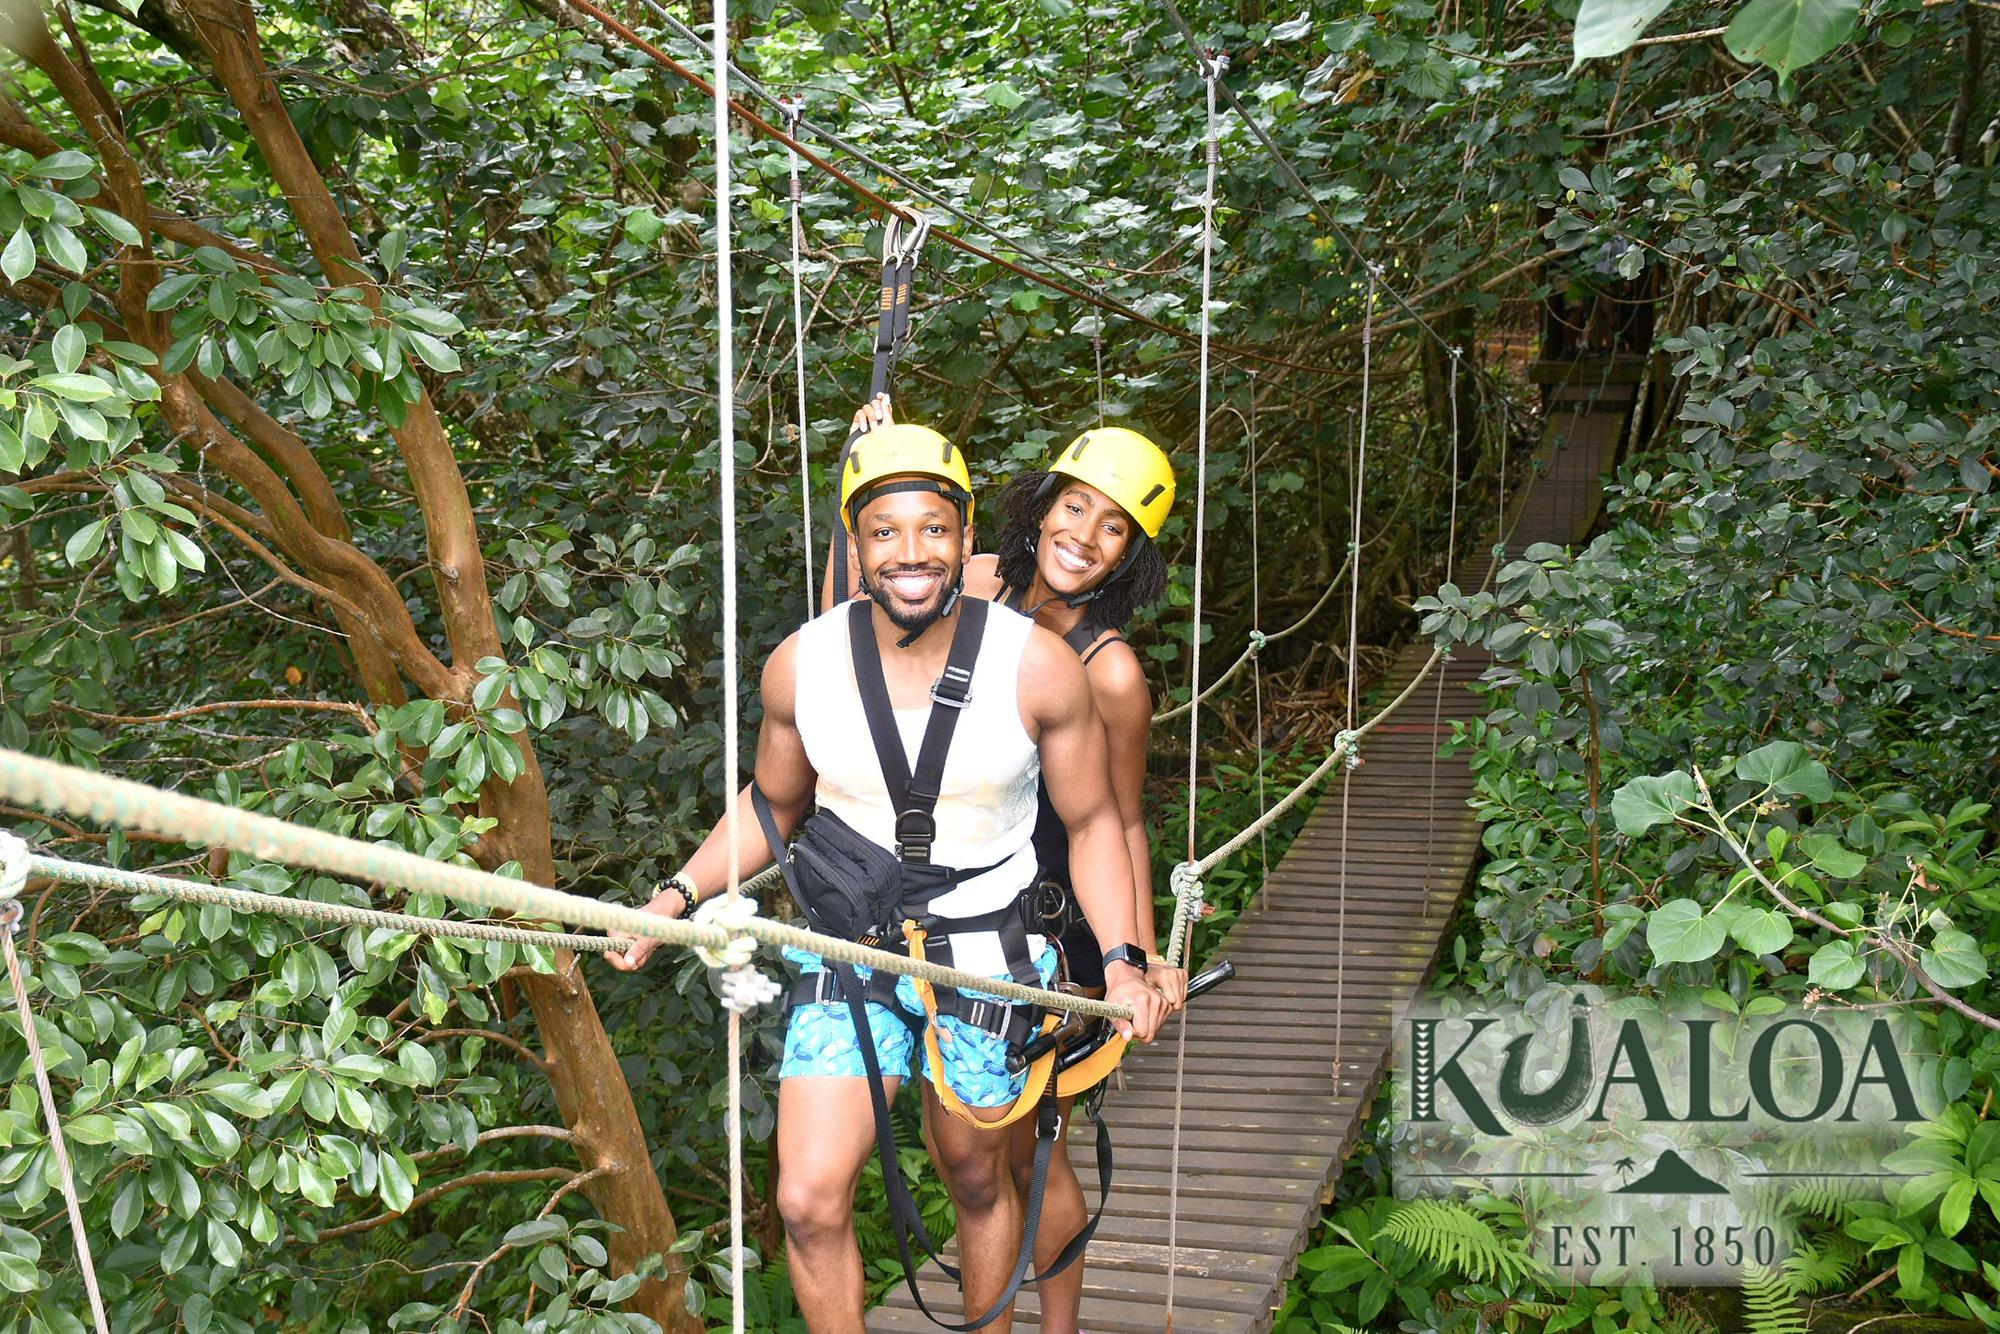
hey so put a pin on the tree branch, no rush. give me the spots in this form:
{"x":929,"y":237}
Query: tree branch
{"x":472,"y":1282}
{"x":513,"y":1044}
{"x":505,"y":1177}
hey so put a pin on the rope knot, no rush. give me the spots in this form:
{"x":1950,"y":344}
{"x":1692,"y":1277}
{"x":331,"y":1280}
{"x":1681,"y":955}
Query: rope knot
{"x":13,"y":867}
{"x":742,"y":987}
{"x":1348,"y":743}
{"x":1257,"y":641}
{"x":1186,"y":881}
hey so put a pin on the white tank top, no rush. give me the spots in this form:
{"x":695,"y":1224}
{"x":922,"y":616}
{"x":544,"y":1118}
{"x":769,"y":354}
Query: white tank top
{"x":986,"y":806}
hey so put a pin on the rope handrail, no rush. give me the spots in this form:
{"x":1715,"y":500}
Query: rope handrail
{"x":1259,"y":641}
{"x":40,"y":784}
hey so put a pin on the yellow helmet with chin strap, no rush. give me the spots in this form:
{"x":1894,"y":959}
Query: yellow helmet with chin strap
{"x":904,"y":457}
{"x":1129,"y":469}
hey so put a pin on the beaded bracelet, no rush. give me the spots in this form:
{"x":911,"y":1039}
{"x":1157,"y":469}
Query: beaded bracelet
{"x":680,"y":884}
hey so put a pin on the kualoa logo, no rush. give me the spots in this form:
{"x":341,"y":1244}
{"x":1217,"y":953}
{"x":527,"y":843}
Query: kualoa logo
{"x":1646,"y":1140}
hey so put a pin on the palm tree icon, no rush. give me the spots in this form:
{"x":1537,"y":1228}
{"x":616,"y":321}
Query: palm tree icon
{"x":1624,"y":1167}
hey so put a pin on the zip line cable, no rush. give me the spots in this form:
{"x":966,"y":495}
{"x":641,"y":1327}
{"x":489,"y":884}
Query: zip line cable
{"x":1181,"y":946}
{"x":956,"y":242}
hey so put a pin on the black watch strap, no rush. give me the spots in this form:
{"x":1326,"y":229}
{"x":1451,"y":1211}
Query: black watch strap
{"x":1128,"y":954}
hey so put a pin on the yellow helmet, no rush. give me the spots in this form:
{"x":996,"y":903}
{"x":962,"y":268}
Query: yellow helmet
{"x":904,"y":450}
{"x":1127,"y":467}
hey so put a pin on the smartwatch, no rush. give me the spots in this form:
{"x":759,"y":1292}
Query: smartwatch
{"x":1127,"y":954}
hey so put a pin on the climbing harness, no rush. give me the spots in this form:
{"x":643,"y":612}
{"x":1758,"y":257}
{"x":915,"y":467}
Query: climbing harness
{"x":902,"y":243}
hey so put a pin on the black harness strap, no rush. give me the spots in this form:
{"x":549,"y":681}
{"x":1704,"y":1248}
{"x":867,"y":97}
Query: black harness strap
{"x":892,"y":335}
{"x":914,"y":795}
{"x":1085,"y":639}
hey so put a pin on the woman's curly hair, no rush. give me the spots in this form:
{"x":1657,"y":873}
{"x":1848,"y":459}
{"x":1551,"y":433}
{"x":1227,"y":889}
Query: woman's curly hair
{"x":1024,"y":505}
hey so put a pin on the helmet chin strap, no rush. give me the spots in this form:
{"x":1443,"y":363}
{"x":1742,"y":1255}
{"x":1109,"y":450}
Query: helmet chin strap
{"x":950,"y":605}
{"x":1089,"y":595}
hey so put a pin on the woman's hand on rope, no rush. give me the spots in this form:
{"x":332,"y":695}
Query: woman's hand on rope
{"x":1171,"y":983}
{"x":638,"y":949}
{"x":1149,"y":1008}
{"x":875,"y":413}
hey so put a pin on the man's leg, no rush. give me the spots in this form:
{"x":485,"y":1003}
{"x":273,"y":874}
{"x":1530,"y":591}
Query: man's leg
{"x":974,"y":1165}
{"x":1063,"y":1216}
{"x":826,"y":1133}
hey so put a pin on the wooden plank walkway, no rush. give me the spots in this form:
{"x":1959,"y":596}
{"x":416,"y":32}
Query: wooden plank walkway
{"x":1266,"y":1120}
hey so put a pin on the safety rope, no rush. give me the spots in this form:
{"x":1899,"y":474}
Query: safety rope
{"x":739,"y":987}
{"x":14,"y":866}
{"x":1360,"y":489}
{"x":1437,"y":698}
{"x":26,"y":780}
{"x":1257,"y":642}
{"x":1181,"y":940}
{"x":794,"y":111}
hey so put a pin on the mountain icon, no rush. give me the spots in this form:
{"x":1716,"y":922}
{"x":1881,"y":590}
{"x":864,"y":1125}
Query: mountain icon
{"x":1671,"y":1175}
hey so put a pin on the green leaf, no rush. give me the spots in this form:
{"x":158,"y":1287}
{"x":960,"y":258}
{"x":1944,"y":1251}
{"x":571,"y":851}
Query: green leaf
{"x":1785,"y":767}
{"x":1645,"y":802}
{"x":68,"y":165}
{"x":1829,"y":856}
{"x":76,"y":388}
{"x":1788,"y":35}
{"x":436,"y":354}
{"x":1609,"y":27}
{"x":18,"y":1274}
{"x":85,"y":542}
{"x":68,"y":348}
{"x":1003,"y":96}
{"x":1679,"y":932}
{"x":64,"y":248}
{"x":169,"y":292}
{"x":115,"y":226}
{"x":17,"y":261}
{"x":1836,"y":966}
{"x":1762,"y":930}
{"x":1953,"y":960}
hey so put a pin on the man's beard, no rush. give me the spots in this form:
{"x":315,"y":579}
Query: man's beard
{"x":914,"y":623}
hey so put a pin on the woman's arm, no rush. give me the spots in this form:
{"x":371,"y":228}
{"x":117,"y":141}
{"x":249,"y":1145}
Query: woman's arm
{"x":1125,"y":703}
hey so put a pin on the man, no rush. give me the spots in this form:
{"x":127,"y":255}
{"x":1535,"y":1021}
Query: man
{"x":847,"y":700}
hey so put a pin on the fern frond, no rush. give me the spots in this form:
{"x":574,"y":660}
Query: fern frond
{"x":1450,"y":1235}
{"x":1770,"y":1306}
{"x":1815,"y":1266}
{"x":1828,"y":1198}
{"x":1687,"y":1320}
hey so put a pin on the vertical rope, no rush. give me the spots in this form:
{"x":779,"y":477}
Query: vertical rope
{"x":794,"y":110}
{"x":1500,"y":524}
{"x":1359,"y":486}
{"x":1097,"y":347}
{"x":13,"y":879}
{"x":1212,"y":66}
{"x":726,"y":438}
{"x":1257,"y":660}
{"x":1437,"y":698}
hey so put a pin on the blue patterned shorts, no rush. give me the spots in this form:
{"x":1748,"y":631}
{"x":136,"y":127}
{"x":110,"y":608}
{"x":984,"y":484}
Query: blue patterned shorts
{"x":820,"y":1040}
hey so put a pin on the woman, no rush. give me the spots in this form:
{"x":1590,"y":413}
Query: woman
{"x":1077,"y":552}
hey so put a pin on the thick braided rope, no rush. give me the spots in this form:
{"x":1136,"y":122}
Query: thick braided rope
{"x":39,"y":784}
{"x":14,"y":863}
{"x":334,"y":914}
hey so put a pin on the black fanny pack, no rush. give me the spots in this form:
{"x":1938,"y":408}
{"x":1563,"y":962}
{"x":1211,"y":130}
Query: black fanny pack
{"x":850,"y":886}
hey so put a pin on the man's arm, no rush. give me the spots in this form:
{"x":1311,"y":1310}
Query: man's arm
{"x":1056,"y":703}
{"x":787,"y":779}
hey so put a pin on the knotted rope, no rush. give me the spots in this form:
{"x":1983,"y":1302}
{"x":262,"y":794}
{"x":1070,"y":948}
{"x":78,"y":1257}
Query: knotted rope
{"x":14,"y":863}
